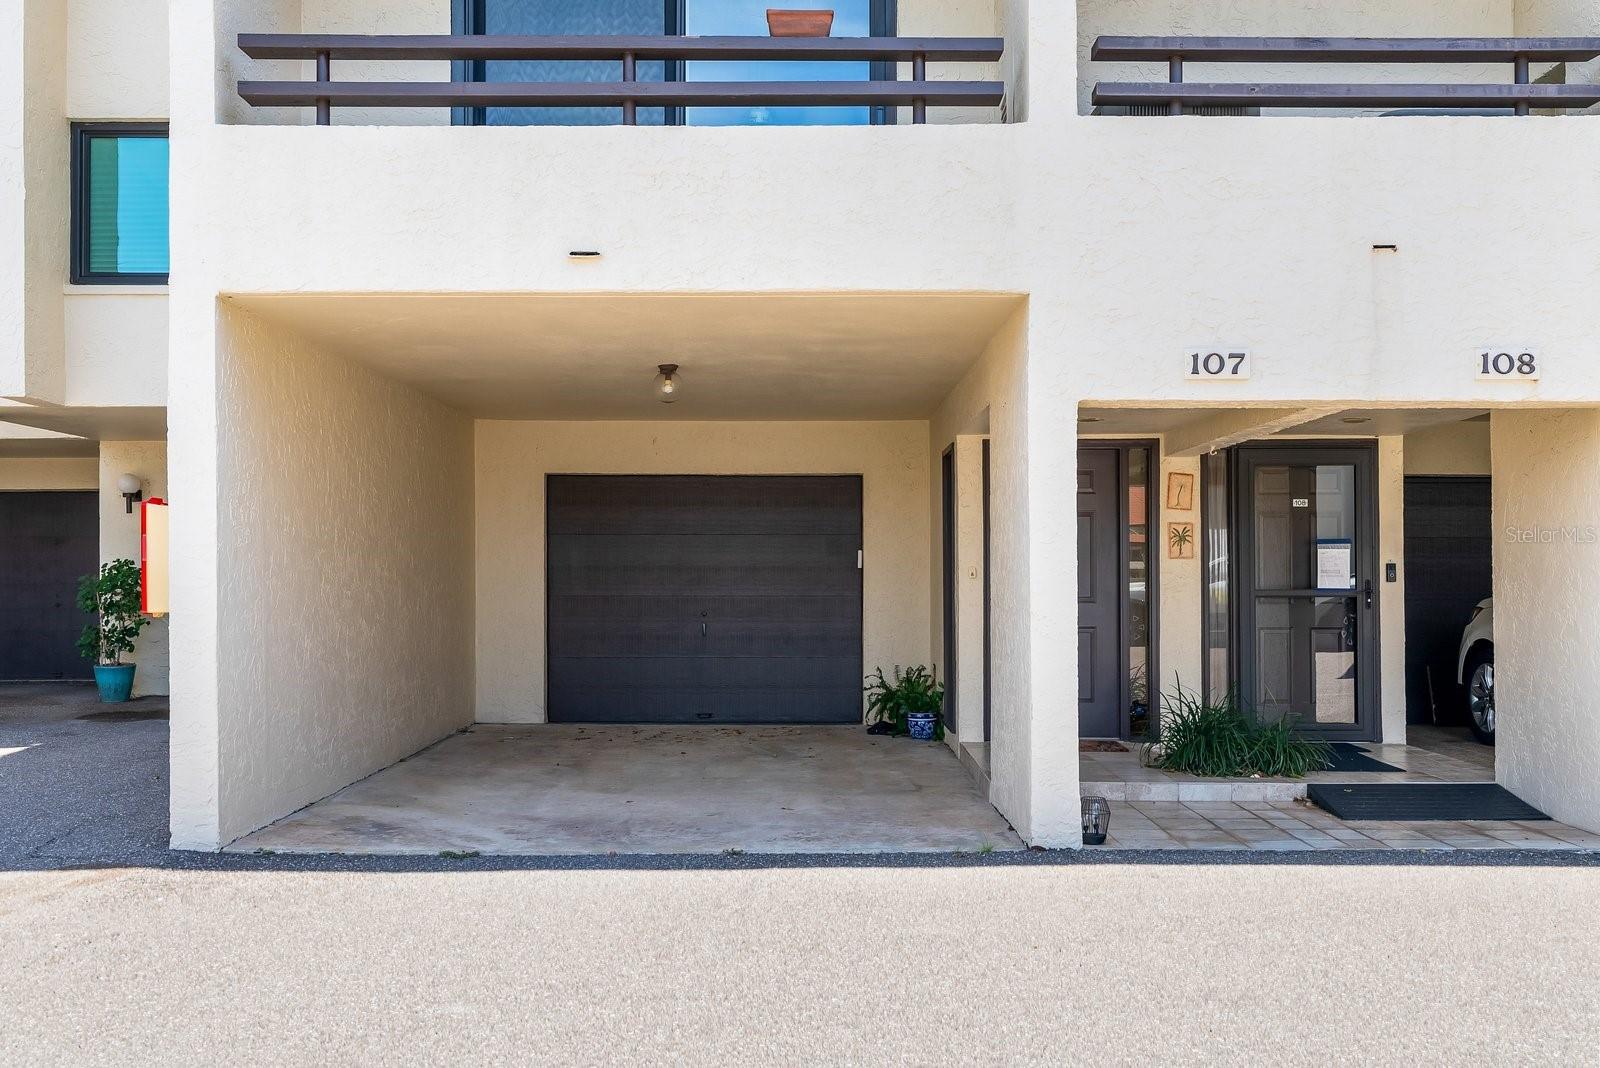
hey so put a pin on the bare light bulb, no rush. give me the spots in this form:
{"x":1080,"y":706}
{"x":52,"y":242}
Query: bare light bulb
{"x":667,"y":383}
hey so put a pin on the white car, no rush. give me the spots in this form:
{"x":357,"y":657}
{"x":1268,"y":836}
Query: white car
{"x":1475,"y":670}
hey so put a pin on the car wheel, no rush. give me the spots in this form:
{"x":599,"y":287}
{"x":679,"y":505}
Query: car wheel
{"x":1480,"y":696}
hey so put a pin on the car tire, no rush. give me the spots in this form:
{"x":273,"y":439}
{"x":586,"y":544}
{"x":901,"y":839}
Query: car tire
{"x":1480,"y":694}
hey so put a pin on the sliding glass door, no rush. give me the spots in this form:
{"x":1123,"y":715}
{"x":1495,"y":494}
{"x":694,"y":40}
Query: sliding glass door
{"x":701,"y":18}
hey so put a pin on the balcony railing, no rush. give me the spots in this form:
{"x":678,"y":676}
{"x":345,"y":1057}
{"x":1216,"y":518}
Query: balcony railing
{"x":1179,"y":96}
{"x":626,"y":92}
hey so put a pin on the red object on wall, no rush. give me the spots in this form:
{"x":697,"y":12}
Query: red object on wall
{"x":153,"y":557}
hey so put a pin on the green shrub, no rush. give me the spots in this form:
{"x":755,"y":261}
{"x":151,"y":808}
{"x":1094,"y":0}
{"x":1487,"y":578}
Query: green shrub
{"x":111,"y":595}
{"x":1217,"y":739}
{"x":917,"y":689}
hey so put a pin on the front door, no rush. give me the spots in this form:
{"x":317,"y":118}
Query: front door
{"x":1308,"y":589}
{"x":1100,"y":677}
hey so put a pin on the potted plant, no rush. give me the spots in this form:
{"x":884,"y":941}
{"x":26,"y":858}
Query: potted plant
{"x":112,"y":597}
{"x":911,"y":703}
{"x":816,"y":22}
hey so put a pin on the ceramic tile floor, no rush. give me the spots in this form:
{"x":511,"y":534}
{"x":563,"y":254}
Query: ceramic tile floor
{"x":1285,"y":825}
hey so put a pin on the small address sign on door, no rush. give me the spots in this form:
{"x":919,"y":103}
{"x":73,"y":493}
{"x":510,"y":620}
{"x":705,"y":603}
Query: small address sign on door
{"x":1220,"y":366}
{"x":1508,"y":365}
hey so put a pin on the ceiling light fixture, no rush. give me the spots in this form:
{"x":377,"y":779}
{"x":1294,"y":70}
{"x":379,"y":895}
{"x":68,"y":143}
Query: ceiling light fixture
{"x":667,"y":382}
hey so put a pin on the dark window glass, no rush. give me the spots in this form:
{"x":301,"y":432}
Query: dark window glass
{"x":120,"y":206}
{"x":562,"y":18}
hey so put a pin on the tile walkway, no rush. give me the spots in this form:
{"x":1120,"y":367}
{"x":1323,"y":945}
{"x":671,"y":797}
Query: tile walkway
{"x":1285,"y":825}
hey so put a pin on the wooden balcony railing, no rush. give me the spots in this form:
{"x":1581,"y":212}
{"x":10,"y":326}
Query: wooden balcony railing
{"x":626,"y":92}
{"x":1178,"y":95}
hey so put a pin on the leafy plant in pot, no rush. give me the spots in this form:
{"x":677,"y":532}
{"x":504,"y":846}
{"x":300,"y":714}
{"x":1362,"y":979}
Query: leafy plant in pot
{"x":111,"y":595}
{"x":909,"y":703}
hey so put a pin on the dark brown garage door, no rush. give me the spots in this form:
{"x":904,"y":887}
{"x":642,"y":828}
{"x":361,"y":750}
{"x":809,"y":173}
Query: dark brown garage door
{"x":703,"y":599}
{"x":47,"y":542}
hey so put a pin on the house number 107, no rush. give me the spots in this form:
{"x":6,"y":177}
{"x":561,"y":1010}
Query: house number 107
{"x":1232,"y":366}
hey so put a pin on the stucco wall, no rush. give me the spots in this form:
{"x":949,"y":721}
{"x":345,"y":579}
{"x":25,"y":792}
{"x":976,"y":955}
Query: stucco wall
{"x":48,"y":473}
{"x":1547,"y":632}
{"x":345,"y":561}
{"x":116,"y":59}
{"x":1449,"y":449}
{"x":992,"y":397}
{"x":120,"y":539}
{"x":116,"y":346}
{"x":513,"y":459}
{"x":1287,"y":18}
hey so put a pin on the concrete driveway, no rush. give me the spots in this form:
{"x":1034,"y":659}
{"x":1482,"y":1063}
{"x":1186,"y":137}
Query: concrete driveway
{"x":545,"y":790}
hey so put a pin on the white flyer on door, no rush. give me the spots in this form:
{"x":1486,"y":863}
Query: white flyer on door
{"x":1336,"y":568}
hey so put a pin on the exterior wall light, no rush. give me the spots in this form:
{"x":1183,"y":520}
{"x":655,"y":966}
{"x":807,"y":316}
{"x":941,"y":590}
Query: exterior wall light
{"x":132,"y":489}
{"x":667,"y":382}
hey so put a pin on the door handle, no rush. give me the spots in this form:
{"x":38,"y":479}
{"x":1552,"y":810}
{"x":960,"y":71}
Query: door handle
{"x":702,"y":630}
{"x":1366,"y":592}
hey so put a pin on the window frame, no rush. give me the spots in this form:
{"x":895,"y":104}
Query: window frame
{"x":79,"y":273}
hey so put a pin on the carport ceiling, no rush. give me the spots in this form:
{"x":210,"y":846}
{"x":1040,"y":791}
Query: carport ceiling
{"x":742,"y":356}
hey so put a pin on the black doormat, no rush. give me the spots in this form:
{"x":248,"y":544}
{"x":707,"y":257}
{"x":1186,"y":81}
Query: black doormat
{"x":1347,"y":757}
{"x":1407,"y":801}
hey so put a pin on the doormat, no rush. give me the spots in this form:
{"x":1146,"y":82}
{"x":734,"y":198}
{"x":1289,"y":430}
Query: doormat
{"x":1408,"y":801}
{"x":1086,"y":746}
{"x":1347,"y":757}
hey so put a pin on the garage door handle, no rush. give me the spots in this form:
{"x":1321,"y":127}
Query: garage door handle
{"x":702,"y":630}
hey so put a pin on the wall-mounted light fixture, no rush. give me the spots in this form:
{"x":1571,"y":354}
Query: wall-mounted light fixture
{"x":667,"y":382}
{"x":583,"y":254}
{"x":132,"y":489}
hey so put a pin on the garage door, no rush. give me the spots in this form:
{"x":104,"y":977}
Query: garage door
{"x":702,"y":599}
{"x":47,"y":542}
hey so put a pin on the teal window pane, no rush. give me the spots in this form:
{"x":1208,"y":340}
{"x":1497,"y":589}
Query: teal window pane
{"x":127,"y":205}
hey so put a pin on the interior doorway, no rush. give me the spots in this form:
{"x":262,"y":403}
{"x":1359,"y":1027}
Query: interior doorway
{"x":1116,"y":589}
{"x":1307,"y":585}
{"x":1449,"y":549}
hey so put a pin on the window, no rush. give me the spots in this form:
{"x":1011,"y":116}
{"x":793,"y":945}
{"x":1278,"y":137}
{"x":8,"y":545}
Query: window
{"x":852,"y":18}
{"x":119,"y":203}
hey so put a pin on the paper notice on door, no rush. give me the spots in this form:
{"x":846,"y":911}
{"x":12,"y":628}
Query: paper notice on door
{"x":1336,"y":564}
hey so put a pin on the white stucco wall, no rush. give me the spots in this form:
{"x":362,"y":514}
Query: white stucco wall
{"x":1546,"y":586}
{"x":1182,"y":585}
{"x":513,"y":459}
{"x":116,"y":346}
{"x":120,"y":539}
{"x":343,"y":597}
{"x":116,"y":59}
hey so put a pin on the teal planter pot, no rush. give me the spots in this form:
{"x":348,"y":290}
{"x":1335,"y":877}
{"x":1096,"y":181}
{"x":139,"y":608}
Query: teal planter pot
{"x":115,"y":682}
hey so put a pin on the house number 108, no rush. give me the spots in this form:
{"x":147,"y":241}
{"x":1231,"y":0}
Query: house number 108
{"x":1228,"y":365}
{"x":1523,"y":365}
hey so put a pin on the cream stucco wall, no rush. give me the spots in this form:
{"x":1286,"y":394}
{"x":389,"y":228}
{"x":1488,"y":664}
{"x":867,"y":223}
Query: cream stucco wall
{"x":1033,"y":765}
{"x":342,"y":602}
{"x":116,"y":346}
{"x":1181,"y":585}
{"x":513,"y":459}
{"x":49,"y":473}
{"x":1546,"y":586}
{"x":120,"y":539}
{"x":1449,"y":449}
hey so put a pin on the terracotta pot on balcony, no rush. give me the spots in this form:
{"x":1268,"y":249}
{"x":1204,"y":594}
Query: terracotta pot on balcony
{"x":810,"y":23}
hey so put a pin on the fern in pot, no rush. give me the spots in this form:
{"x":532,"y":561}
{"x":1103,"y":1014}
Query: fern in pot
{"x":911,"y":702}
{"x":111,"y":595}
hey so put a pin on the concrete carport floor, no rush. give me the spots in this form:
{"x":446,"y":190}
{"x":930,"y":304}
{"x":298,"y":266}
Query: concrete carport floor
{"x":654,"y":789}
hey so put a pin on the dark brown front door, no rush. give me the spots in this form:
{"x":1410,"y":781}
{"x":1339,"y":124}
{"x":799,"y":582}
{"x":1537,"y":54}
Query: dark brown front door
{"x":1099,"y":594}
{"x":48,"y":541}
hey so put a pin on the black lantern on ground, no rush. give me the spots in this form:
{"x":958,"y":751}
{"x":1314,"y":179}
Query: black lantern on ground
{"x":1096,"y":820}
